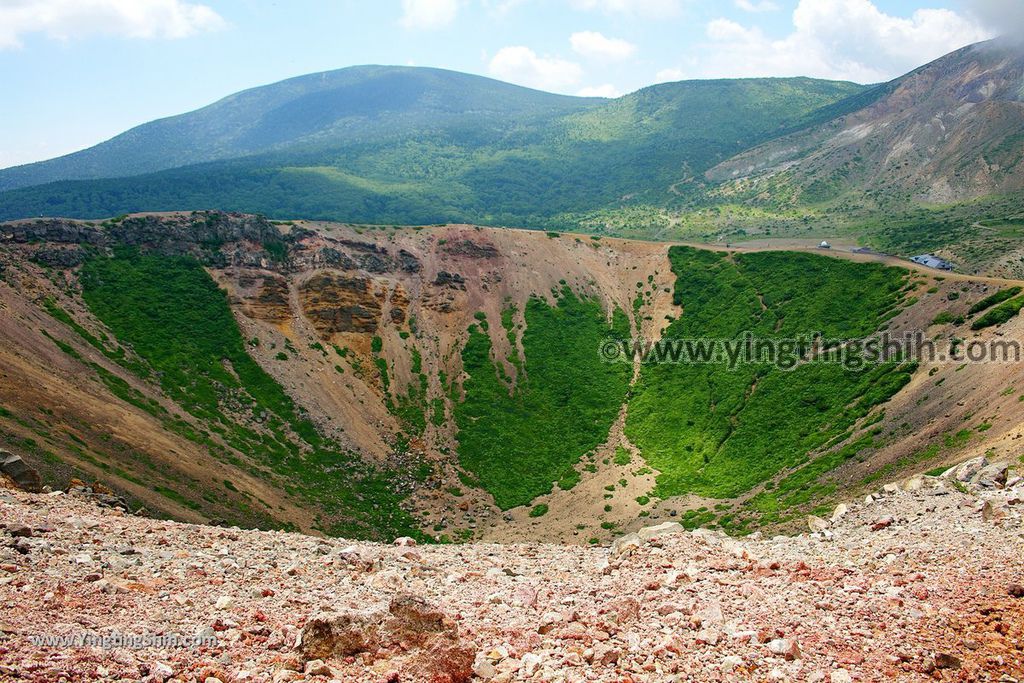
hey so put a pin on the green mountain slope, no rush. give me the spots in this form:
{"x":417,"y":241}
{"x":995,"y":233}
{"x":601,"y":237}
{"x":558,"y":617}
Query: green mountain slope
{"x":316,"y":111}
{"x":392,"y":145}
{"x":718,"y":431}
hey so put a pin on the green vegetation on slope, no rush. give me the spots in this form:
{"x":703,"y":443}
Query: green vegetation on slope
{"x":174,"y":317}
{"x":1000,"y":314}
{"x":518,"y":440}
{"x":720,"y":432}
{"x":993,"y":299}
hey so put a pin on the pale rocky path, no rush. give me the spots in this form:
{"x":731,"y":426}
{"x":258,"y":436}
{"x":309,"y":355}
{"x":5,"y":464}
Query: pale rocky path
{"x":915,"y":585}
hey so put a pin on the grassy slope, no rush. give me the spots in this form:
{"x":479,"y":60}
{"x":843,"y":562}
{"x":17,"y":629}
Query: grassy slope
{"x":204,"y":367}
{"x":517,"y":442}
{"x":720,"y":432}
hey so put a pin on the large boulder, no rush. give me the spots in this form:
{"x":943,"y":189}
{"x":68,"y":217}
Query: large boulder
{"x":20,"y":473}
{"x":816,"y":524}
{"x":623,"y":546}
{"x":965,"y":471}
{"x":341,"y":634}
{"x":412,"y":621}
{"x":991,"y":477}
{"x":649,"y":533}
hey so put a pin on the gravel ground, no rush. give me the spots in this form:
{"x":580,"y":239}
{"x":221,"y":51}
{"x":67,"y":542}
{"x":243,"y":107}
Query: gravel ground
{"x":911,"y":584}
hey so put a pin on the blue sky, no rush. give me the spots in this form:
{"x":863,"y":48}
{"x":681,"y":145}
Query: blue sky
{"x":76,"y":72}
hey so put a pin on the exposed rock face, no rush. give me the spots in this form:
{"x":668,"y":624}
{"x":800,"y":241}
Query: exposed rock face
{"x":205,"y":228}
{"x":309,"y":251}
{"x":399,"y":305}
{"x":471,"y":249}
{"x":944,"y":132}
{"x":408,"y":261}
{"x":340,"y":303}
{"x":59,"y":257}
{"x":270,"y":301}
{"x":202,"y":234}
{"x":329,"y":257}
{"x":450,"y":280}
{"x":54,"y":230}
{"x":370,"y":257}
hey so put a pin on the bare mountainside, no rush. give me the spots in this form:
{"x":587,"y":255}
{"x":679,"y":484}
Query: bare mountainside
{"x":946,"y":132}
{"x":445,"y":382}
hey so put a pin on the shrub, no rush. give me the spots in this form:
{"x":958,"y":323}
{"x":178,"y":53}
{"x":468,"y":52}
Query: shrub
{"x":1000,"y":314}
{"x":993,"y":299}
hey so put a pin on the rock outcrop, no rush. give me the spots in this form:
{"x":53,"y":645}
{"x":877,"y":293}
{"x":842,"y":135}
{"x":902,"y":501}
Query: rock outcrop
{"x":340,"y":303}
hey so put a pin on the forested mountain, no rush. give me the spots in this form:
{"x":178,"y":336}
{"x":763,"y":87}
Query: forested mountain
{"x":413,"y":145}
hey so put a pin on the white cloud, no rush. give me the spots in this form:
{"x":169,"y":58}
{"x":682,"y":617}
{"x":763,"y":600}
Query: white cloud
{"x":502,"y":7}
{"x":647,"y":9}
{"x":595,"y":45}
{"x":841,"y":39}
{"x":519,"y":64}
{"x":428,"y":14}
{"x":1005,"y":17}
{"x":669,"y":75}
{"x":606,"y":90}
{"x":760,"y":6}
{"x":67,"y":19}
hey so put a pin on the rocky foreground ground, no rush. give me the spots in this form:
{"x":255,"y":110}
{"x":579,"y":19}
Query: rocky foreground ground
{"x":920,"y":581}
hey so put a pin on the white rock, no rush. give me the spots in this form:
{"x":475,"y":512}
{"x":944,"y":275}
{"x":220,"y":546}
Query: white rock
{"x":224,"y":602}
{"x":816,"y":524}
{"x":624,"y":545}
{"x":484,"y":669}
{"x":709,"y":636}
{"x":730,"y":663}
{"x":784,"y":648}
{"x":913,"y":484}
{"x":317,"y":667}
{"x":529,"y":664}
{"x":966,"y":470}
{"x":839,"y":512}
{"x":161,"y":671}
{"x":841,"y":676}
